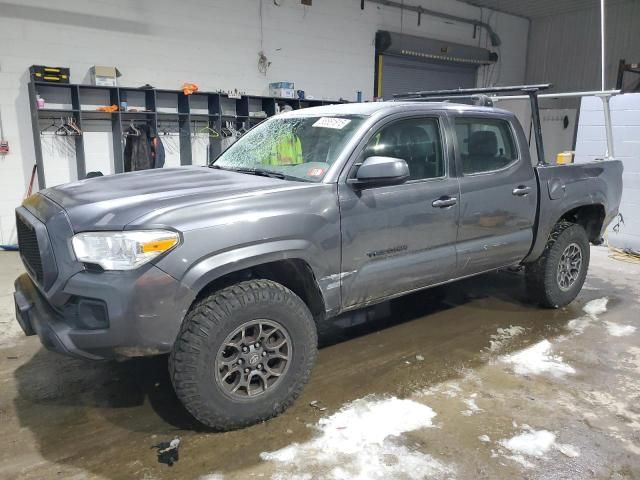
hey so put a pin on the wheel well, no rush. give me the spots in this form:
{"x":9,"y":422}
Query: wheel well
{"x":590,"y":217}
{"x":294,"y":274}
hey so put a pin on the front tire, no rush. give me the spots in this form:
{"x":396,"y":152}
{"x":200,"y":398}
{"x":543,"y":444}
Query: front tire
{"x":556,"y":278}
{"x":243,"y":354}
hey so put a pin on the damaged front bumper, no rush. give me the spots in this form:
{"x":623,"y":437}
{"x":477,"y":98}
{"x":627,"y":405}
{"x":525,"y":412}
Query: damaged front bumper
{"x":106,"y":315}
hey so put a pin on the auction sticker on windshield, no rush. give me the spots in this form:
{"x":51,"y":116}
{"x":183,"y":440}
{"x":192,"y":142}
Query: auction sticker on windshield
{"x":332,"y":122}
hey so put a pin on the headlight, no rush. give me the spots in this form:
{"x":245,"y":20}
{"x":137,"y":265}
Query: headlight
{"x":123,"y":250}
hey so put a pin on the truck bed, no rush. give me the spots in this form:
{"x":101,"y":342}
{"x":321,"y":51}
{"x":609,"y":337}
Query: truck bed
{"x":564,"y":188}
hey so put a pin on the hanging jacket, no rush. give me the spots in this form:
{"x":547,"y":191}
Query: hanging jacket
{"x":137,"y":150}
{"x":143,"y":151}
{"x":157,"y":151}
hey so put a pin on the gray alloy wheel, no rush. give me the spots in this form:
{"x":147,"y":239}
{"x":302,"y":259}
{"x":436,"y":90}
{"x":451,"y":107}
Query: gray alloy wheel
{"x":253,"y":358}
{"x":569,"y":266}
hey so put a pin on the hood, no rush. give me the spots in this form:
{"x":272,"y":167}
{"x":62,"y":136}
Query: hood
{"x":112,"y":202}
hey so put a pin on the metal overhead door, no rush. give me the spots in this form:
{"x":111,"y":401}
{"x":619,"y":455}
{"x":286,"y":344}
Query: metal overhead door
{"x":401,"y":75}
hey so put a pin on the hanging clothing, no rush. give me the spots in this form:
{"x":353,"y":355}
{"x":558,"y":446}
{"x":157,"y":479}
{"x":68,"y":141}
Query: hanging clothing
{"x":143,"y":150}
{"x":157,"y":152}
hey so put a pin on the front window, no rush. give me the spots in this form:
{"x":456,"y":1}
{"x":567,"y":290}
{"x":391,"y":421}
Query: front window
{"x":292,"y":147}
{"x":414,"y":140}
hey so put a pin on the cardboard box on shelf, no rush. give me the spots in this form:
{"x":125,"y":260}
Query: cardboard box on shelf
{"x":105,"y":76}
{"x":282,"y":90}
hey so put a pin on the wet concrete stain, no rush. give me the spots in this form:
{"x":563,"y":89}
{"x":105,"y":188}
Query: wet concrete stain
{"x":67,"y":418}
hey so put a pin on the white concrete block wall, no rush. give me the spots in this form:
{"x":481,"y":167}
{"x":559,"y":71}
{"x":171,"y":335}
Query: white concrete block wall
{"x":326,"y":49}
{"x":591,"y":144}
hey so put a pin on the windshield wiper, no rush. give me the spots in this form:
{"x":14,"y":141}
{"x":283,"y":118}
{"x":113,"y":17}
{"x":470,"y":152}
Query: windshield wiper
{"x":260,"y":172}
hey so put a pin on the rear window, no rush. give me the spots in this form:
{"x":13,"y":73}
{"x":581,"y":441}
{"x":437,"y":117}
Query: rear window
{"x":484,"y":144}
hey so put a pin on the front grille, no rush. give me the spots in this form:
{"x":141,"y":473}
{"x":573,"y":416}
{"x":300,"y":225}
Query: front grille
{"x":29,"y":248}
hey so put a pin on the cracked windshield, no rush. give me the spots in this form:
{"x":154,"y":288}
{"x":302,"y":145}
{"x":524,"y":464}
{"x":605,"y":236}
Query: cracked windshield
{"x":298,"y":148}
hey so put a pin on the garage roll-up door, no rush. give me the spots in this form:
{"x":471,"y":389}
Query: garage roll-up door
{"x":407,"y":63}
{"x":401,"y":75}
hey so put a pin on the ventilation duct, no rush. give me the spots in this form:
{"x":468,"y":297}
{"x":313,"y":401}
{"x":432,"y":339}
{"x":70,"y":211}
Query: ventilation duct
{"x":493,"y":36}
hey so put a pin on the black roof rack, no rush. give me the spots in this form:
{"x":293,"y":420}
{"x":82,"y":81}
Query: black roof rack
{"x":480,"y":99}
{"x":473,"y":91}
{"x":479,"y":95}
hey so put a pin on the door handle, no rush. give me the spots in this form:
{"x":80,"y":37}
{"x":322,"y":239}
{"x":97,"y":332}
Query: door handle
{"x":521,"y":191}
{"x":444,"y":202}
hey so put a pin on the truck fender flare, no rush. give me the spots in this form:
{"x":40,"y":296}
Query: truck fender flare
{"x":216,"y":266}
{"x":544,"y":229}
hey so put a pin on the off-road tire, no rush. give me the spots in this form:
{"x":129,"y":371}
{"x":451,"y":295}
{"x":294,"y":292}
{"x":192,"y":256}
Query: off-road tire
{"x":204,"y":330}
{"x":541,"y":275}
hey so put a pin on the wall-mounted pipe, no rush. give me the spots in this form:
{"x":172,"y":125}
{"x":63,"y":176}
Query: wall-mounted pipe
{"x":493,"y":36}
{"x":602,"y":47}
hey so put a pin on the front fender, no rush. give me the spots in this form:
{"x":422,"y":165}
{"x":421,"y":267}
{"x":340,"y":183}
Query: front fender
{"x":220,"y":264}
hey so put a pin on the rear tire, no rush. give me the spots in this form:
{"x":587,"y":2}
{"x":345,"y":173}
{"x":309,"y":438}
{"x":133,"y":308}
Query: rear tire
{"x":556,"y":278}
{"x":222,"y":385}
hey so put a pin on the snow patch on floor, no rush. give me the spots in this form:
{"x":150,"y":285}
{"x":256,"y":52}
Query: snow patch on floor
{"x":533,"y":443}
{"x":569,"y":450}
{"x":521,"y":460}
{"x":592,"y":309}
{"x":578,"y":325}
{"x":503,"y":337}
{"x":596,"y":307}
{"x":538,"y":359}
{"x":360,"y":442}
{"x":472,"y":406}
{"x":617,"y":330}
{"x":484,"y":438}
{"x":212,"y":476}
{"x":448,"y":389}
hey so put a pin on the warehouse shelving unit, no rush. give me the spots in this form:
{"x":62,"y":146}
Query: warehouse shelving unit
{"x":156,"y":108}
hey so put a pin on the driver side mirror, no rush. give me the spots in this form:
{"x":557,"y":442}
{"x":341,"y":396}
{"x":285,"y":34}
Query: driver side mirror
{"x":378,"y":171}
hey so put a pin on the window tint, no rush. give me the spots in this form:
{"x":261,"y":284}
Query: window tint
{"x":416,"y":141}
{"x":485,"y":144}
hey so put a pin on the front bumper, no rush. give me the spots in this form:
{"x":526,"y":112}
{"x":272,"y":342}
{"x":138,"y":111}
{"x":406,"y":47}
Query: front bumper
{"x":145,"y":311}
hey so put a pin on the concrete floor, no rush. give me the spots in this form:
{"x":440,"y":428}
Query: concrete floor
{"x":467,"y":381}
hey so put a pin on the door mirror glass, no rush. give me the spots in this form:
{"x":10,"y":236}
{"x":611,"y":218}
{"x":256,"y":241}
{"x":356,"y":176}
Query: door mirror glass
{"x":382,"y":171}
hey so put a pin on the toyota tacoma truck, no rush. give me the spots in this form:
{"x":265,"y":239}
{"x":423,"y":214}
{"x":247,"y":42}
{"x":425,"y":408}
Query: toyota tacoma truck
{"x":231,"y":268}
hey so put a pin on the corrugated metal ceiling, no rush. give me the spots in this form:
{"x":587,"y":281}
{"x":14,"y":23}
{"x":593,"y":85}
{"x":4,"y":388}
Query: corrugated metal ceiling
{"x":540,"y":8}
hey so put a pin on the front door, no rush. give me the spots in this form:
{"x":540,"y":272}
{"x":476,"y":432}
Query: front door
{"x":401,"y":237}
{"x":498,"y":193}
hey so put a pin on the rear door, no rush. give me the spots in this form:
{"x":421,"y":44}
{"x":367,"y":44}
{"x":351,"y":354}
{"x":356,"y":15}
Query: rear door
{"x":498,"y":192}
{"x":398,"y":238}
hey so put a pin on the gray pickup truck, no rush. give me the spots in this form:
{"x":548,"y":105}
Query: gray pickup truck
{"x":231,"y":268}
